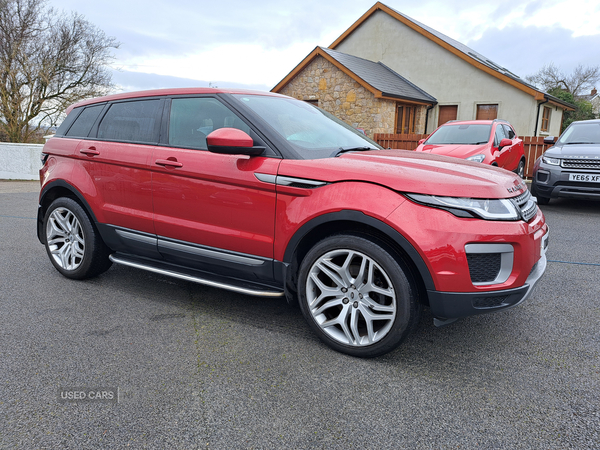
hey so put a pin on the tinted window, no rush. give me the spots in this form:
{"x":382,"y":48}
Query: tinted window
{"x":83,"y":123}
{"x":136,"y":121}
{"x":192,"y":119}
{"x":64,"y":126}
{"x":467,"y":134}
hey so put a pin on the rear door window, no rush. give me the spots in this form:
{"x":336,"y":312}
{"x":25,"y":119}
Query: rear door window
{"x":509,"y":131}
{"x":133,"y":121}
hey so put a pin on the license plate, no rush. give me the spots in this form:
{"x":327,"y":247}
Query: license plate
{"x":584,"y":177}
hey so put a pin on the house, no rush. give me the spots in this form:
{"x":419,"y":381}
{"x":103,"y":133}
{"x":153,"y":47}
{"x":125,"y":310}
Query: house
{"x":388,"y":73}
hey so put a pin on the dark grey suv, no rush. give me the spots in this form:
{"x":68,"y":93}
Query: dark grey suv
{"x":571,"y":168}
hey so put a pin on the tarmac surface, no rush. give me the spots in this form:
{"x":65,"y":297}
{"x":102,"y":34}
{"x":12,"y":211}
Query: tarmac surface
{"x":197,"y":367}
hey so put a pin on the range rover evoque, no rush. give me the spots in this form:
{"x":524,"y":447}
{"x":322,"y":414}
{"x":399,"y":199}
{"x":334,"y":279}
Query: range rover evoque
{"x":267,"y":195}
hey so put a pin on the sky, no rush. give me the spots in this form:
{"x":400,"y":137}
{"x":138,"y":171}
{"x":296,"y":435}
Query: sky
{"x":255,"y":44}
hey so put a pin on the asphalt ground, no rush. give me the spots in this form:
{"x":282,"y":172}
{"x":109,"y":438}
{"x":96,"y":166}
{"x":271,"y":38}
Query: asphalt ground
{"x":197,"y":367}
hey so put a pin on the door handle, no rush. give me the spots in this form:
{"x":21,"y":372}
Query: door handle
{"x":168,"y":162}
{"x":89,"y":151}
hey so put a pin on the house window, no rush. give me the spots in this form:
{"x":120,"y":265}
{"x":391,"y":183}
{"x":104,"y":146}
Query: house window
{"x":405,"y":119}
{"x":546,"y":119}
{"x":487,"y":112}
{"x":447,"y":113}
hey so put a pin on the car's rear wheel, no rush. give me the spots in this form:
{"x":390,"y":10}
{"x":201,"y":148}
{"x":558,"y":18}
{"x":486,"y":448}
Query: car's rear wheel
{"x":356,"y":296}
{"x":74,"y":246}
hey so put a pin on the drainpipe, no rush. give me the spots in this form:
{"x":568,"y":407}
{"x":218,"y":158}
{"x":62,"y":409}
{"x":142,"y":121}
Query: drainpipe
{"x":427,"y":116}
{"x":537,"y":118}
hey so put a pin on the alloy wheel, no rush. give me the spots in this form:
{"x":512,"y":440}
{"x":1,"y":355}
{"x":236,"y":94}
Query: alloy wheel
{"x":351,"y":297}
{"x":65,"y":238}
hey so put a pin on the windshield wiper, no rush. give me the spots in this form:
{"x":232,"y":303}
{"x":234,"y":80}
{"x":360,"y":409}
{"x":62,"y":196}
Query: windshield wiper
{"x":353,"y":149}
{"x":583,"y":142}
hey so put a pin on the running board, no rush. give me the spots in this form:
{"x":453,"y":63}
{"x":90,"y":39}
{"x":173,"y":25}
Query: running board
{"x":196,"y":276}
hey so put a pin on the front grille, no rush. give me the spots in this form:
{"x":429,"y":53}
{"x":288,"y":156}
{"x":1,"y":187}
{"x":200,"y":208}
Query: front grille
{"x":593,"y":164}
{"x":484,"y":267}
{"x":526,"y":205}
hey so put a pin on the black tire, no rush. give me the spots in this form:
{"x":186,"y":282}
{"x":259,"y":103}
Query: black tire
{"x":381,"y":300}
{"x":73,"y":244}
{"x":540,"y":199}
{"x":521,"y":169}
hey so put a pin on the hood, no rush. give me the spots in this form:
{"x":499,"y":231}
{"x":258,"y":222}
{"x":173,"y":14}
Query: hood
{"x":409,"y":171}
{"x":455,"y":150}
{"x":584,"y":151}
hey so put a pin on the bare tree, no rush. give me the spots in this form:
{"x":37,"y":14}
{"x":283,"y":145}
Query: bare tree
{"x":582,"y":79}
{"x":47,"y":61}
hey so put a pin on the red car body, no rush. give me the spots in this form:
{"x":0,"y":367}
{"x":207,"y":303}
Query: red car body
{"x":497,"y":144}
{"x":246,"y":214}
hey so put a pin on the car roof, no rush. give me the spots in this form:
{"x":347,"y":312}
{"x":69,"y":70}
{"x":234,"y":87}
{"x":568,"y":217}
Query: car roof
{"x":587,"y":121}
{"x":474,"y":122}
{"x":169,"y":91}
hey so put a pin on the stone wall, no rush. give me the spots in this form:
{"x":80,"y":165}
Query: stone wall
{"x":343,"y":97}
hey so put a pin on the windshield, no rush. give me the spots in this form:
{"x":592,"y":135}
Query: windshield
{"x":472,"y":134}
{"x":312,"y":132}
{"x":581,"y":133}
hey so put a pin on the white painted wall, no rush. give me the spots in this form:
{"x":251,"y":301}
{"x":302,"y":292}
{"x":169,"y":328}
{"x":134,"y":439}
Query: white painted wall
{"x":20,"y":161}
{"x":451,"y":80}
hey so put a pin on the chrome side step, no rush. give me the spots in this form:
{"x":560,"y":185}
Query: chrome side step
{"x":197,"y":276}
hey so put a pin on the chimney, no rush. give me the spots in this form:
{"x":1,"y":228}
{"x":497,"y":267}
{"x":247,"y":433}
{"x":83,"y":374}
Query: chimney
{"x":594,"y":91}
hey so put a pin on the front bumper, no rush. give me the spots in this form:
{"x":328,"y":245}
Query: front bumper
{"x":553,"y":182}
{"x":454,"y":305}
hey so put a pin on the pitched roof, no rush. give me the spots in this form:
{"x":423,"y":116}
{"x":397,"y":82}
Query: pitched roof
{"x":381,"y":77}
{"x":462,"y":51}
{"x":376,"y":77}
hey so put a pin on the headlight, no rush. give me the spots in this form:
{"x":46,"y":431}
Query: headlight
{"x":551,"y":161}
{"x":489,"y":209}
{"x":476,"y":158}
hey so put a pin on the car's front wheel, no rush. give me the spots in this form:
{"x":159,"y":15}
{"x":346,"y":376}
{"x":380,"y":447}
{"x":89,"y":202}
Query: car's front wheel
{"x":521,"y":169}
{"x":72,"y":242}
{"x":540,"y":199}
{"x":356,"y":296}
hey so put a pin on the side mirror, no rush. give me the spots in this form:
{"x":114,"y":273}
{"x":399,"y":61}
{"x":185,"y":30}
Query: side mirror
{"x":231,"y":141}
{"x":421,"y":141}
{"x":504,"y":143}
{"x":549,"y":140}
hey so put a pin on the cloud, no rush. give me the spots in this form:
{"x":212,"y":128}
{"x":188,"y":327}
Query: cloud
{"x":138,"y":81}
{"x":525,"y":50}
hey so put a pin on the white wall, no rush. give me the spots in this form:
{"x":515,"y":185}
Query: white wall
{"x":20,"y":161}
{"x":451,"y":80}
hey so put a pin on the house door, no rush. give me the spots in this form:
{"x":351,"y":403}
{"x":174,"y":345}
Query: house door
{"x":405,"y":119}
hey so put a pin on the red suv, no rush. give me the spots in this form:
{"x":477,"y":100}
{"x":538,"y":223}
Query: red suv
{"x":492,"y":142}
{"x":266,"y":195}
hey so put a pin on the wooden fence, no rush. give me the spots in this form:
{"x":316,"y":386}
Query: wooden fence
{"x":533,"y":145}
{"x":399,"y":141}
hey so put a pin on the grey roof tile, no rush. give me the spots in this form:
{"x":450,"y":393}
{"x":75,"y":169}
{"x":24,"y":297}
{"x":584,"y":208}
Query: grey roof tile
{"x":381,"y":77}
